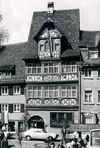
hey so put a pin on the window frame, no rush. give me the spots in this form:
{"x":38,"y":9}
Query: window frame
{"x":51,"y":68}
{"x":90,"y":93}
{"x":34,"y":92}
{"x":4,"y":107}
{"x":68,"y":91}
{"x":17,"y":93}
{"x":98,"y":97}
{"x":17,"y":106}
{"x":91,"y":52}
{"x":51,"y":92}
{"x":4,"y":93}
{"x":68,"y":67}
{"x":89,"y":73}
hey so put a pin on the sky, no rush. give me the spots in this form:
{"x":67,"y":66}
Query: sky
{"x":17,"y":15}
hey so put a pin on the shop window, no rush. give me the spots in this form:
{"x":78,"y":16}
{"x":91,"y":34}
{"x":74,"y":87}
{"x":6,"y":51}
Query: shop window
{"x":60,"y":119}
{"x":20,"y":126}
{"x":11,"y":126}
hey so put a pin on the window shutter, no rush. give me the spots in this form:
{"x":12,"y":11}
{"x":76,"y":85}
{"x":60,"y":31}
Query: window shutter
{"x":10,"y":90}
{"x":22,"y":90}
{"x":0,"y":108}
{"x":22,"y":108}
{"x":10,"y":108}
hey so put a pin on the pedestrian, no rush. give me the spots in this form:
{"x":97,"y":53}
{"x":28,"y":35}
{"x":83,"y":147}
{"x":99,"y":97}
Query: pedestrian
{"x":19,"y":140}
{"x":75,"y":144}
{"x":52,"y":145}
{"x":63,"y":131}
{"x":4,"y":143}
{"x":62,"y":146}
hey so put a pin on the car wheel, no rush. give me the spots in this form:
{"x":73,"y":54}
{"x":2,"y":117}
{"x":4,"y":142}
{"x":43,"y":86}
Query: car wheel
{"x":28,"y":138}
{"x":50,"y":138}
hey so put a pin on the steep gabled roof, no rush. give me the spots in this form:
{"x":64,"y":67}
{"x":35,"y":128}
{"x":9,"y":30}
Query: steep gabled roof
{"x":66,"y":20}
{"x":12,"y":55}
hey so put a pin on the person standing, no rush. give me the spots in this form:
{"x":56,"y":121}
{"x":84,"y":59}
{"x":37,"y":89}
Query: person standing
{"x":4,"y":143}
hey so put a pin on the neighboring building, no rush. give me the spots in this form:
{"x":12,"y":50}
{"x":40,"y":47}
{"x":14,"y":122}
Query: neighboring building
{"x":12,"y":84}
{"x":52,"y":81}
{"x":90,"y":78}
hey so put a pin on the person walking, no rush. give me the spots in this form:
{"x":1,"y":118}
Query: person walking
{"x":19,"y":140}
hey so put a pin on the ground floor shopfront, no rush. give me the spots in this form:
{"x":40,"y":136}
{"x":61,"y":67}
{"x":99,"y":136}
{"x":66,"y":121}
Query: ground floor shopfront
{"x":52,"y":120}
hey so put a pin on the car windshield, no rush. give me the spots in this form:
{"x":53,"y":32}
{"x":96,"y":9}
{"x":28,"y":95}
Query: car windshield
{"x":95,"y":135}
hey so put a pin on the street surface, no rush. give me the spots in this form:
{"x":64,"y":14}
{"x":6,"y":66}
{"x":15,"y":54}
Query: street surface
{"x":13,"y":143}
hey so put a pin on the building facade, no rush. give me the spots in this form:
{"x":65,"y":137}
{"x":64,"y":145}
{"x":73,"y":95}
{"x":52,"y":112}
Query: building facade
{"x":12,"y":87}
{"x":52,"y":78}
{"x":90,"y":79}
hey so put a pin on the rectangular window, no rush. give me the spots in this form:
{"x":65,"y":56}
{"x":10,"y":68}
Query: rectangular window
{"x":4,"y":107}
{"x":34,"y":91}
{"x":98,"y":73}
{"x":4,"y":90}
{"x":60,"y":119}
{"x":16,"y":107}
{"x":87,"y":73}
{"x":51,"y":92}
{"x":93,"y":54}
{"x":34,"y":69}
{"x":69,"y":67}
{"x":51,"y":68}
{"x":16,"y":90}
{"x":98,"y":96}
{"x":88,"y":98}
{"x":69,"y":91}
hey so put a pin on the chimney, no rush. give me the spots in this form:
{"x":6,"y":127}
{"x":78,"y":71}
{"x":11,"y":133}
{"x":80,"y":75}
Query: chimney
{"x":50,"y":7}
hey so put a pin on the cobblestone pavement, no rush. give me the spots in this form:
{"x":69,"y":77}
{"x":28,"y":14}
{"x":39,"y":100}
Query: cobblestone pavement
{"x":28,"y":144}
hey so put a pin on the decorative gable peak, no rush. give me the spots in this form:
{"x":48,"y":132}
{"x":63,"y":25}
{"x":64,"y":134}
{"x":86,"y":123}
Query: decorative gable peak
{"x":53,"y":33}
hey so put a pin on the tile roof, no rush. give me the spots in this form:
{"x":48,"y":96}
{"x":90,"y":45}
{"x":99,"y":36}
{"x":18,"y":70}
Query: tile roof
{"x":88,"y":38}
{"x":12,"y":55}
{"x":66,"y":20}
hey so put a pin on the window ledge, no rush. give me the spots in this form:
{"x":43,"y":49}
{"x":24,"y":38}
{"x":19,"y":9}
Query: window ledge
{"x":88,"y":78}
{"x":88,"y":103}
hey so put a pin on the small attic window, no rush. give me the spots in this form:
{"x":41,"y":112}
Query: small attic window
{"x":93,"y":54}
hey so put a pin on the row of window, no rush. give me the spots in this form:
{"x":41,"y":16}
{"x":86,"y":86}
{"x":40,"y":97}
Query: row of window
{"x":52,"y":91}
{"x":88,"y":97}
{"x":88,"y":73}
{"x":51,"y":68}
{"x":12,"y":108}
{"x":15,"y":90}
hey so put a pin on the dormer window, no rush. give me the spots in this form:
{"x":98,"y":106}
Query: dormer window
{"x":49,"y":40}
{"x":93,"y":54}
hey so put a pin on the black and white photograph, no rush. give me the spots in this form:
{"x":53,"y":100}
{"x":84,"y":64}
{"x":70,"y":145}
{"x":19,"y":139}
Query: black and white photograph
{"x":49,"y":73}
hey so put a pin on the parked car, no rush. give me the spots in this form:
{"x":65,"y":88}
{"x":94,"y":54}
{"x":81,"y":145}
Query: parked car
{"x":35,"y":133}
